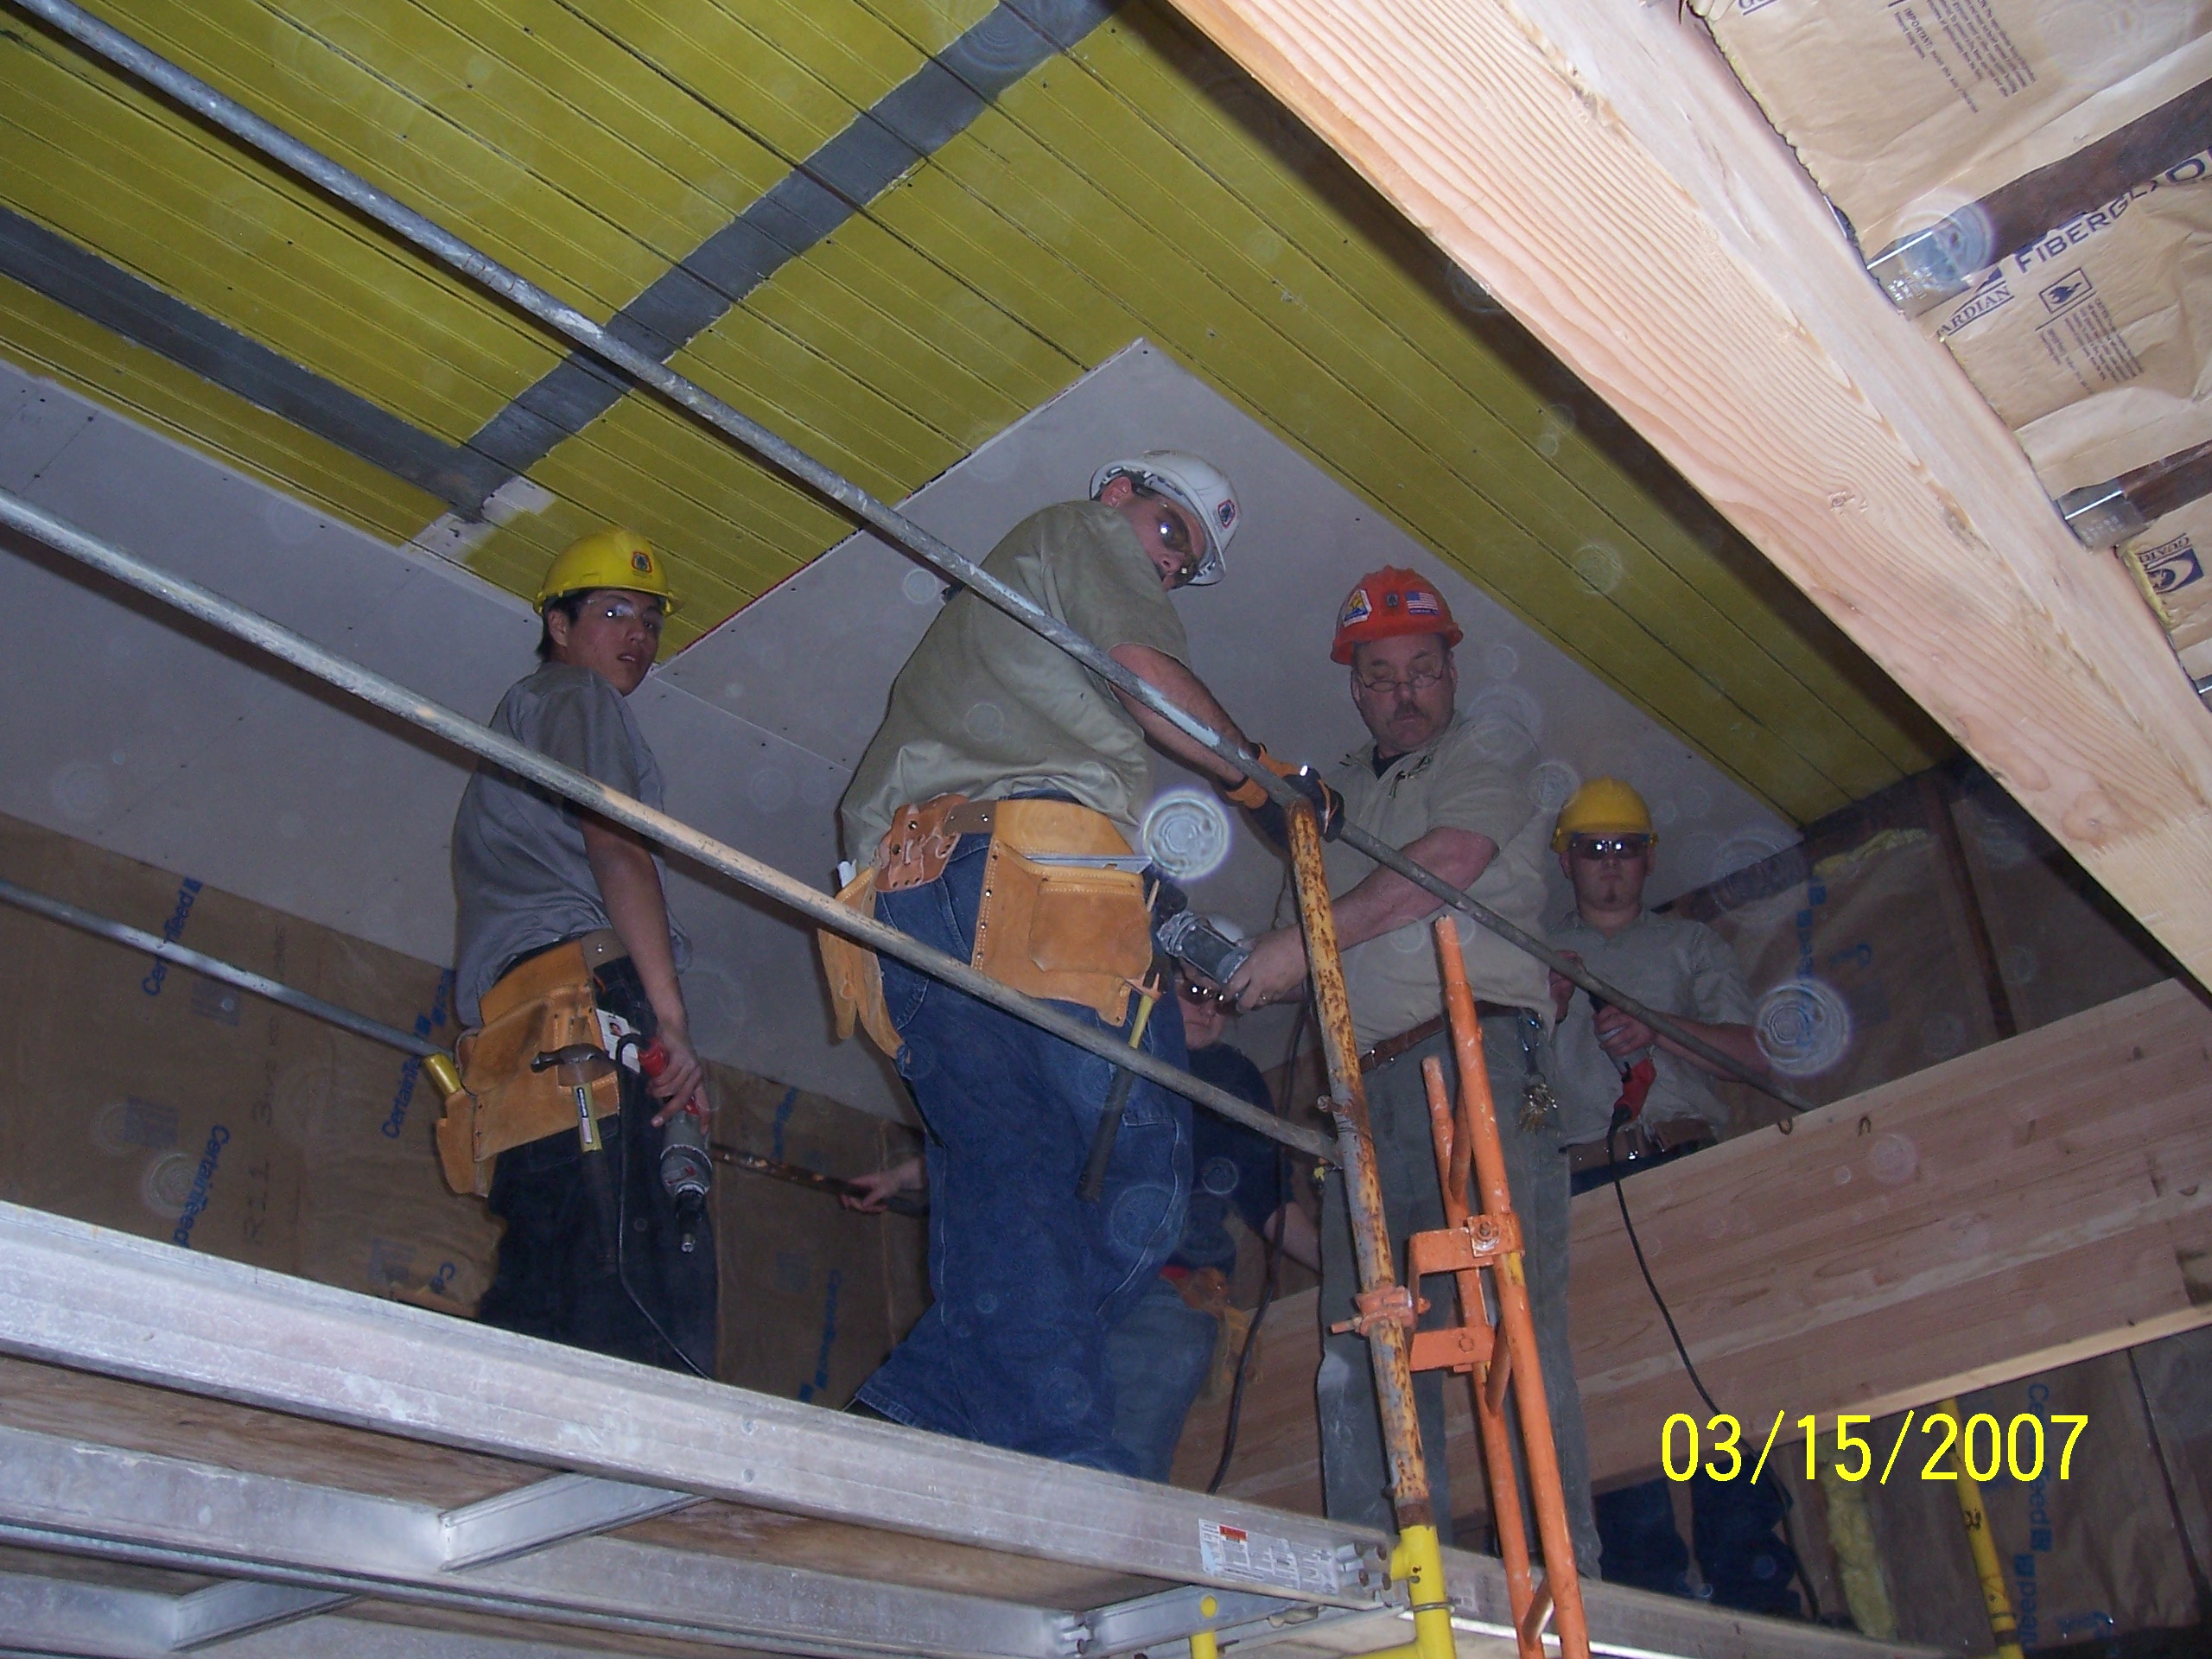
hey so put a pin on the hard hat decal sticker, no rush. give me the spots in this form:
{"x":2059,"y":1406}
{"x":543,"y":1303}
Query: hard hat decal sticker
{"x":642,"y":563}
{"x":1419,"y":603}
{"x":1225,"y":514}
{"x":1357,"y":609}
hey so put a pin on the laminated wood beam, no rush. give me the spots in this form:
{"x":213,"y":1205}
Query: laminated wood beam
{"x":1599,"y":168}
{"x":2036,"y":1202}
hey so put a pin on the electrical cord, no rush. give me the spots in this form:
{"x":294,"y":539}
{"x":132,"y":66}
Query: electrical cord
{"x":1273,"y":1247}
{"x":1772,"y":1483}
{"x":622,"y":1222}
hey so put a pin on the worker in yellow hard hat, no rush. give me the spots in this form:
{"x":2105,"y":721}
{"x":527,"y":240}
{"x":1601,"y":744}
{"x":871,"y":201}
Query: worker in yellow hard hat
{"x":1630,"y":1099}
{"x":561,"y":910}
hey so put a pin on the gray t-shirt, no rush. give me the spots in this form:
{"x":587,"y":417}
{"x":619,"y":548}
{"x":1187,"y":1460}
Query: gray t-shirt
{"x":519,"y":869}
{"x":987,"y":709}
{"x":1472,"y":776}
{"x":1667,"y":963}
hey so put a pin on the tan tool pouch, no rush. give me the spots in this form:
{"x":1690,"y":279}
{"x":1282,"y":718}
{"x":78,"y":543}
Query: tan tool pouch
{"x":1061,"y":932}
{"x":544,"y":1004}
{"x":1206,"y":1291}
{"x":1064,"y":933}
{"x":855,"y":973}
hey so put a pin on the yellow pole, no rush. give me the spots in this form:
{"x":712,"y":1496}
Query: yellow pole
{"x":1994,"y":1595}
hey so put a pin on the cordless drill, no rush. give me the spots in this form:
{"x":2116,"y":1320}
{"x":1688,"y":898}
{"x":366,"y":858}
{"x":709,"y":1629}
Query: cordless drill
{"x":686,"y":1171}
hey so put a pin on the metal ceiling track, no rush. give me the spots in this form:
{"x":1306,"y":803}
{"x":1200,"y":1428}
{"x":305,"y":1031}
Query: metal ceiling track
{"x":149,"y":1505}
{"x":894,"y":527}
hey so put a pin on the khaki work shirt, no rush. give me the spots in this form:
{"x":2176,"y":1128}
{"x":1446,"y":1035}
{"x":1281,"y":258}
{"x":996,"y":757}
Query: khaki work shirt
{"x":1667,"y":963}
{"x":987,"y":709}
{"x":520,"y":873}
{"x":1471,"y":777}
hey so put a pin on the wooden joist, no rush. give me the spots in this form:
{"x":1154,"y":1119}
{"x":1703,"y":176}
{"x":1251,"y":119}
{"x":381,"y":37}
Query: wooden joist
{"x":1599,"y":168}
{"x":2036,"y":1202}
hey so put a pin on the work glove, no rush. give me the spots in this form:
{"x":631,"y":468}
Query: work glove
{"x":1267,"y":813}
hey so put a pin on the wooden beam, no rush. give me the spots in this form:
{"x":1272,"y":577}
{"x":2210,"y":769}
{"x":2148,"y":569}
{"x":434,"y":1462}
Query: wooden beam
{"x":2039,"y":1201}
{"x":1599,"y":168}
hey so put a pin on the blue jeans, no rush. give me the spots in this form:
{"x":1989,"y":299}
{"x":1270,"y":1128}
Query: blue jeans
{"x":568,"y":1269}
{"x":1027,"y":1280}
{"x":1159,"y":1355}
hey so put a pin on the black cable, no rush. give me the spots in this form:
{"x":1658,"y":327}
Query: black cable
{"x":1772,"y":1482}
{"x":1273,"y":1247}
{"x":622,"y":1217}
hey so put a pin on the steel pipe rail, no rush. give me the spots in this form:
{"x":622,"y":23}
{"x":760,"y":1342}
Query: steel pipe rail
{"x":593,"y":796}
{"x":245,"y":979}
{"x":886,"y":521}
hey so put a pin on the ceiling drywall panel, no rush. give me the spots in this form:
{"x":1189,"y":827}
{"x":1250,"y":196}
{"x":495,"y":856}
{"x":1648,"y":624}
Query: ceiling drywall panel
{"x":1135,"y":184}
{"x":1260,"y":639}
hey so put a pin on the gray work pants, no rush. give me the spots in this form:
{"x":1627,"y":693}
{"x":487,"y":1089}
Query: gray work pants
{"x":1354,"y":1474}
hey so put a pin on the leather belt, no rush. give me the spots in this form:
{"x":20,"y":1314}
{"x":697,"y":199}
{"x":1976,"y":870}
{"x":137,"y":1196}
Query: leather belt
{"x":1391,"y":1048}
{"x":1637,"y":1142}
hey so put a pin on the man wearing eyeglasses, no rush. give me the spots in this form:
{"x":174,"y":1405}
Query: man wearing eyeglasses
{"x":982,"y":818}
{"x":1631,"y":1099}
{"x":555,"y":903}
{"x":1452,"y":795}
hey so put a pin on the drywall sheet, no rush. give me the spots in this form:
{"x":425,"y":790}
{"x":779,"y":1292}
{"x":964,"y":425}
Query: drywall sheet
{"x":2095,"y":343}
{"x":1905,"y":110}
{"x":144,"y":1098}
{"x":813,"y":1295}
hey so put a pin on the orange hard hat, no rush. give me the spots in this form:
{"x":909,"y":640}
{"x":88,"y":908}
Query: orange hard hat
{"x":1389,"y":602}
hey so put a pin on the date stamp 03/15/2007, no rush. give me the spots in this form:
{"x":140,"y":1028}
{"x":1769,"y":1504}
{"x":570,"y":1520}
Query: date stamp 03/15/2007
{"x":1984,"y":1446}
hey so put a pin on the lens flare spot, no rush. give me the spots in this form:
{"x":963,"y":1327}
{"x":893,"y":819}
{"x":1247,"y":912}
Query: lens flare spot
{"x":1186,"y":834}
{"x":1803,"y":1027}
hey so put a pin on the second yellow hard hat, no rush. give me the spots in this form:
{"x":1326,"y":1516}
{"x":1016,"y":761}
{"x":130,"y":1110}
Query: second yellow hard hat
{"x":607,"y":558}
{"x":1603,"y":806}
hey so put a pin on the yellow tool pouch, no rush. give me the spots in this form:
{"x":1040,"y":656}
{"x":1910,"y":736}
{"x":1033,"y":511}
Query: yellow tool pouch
{"x":1065,"y":932}
{"x":545,"y":1003}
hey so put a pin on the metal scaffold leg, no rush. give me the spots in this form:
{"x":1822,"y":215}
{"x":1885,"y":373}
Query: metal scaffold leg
{"x":1386,"y":1307}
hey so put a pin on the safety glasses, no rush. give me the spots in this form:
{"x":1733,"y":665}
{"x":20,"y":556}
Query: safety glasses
{"x":1594,"y":849}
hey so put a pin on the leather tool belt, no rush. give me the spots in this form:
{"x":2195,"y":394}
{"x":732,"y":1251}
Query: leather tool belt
{"x":1076,"y":931}
{"x":1391,"y":1048}
{"x":1205,"y":1290}
{"x":543,"y":1003}
{"x":1641,"y":1140}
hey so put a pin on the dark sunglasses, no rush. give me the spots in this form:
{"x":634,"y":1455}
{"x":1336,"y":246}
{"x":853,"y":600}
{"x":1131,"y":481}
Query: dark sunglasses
{"x":1594,"y":848}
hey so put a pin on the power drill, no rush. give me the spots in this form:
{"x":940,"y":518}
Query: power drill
{"x":1182,"y":933}
{"x":686,"y":1170}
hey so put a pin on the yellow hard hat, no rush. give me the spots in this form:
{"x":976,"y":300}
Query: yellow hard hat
{"x":1603,"y":806}
{"x":607,"y":558}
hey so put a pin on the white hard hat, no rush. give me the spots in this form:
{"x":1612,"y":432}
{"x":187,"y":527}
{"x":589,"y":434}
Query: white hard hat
{"x":1190,"y":481}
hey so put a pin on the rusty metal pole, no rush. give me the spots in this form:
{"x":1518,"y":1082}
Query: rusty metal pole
{"x":1479,"y":1113}
{"x":1453,"y":1153}
{"x":1387,"y":1339}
